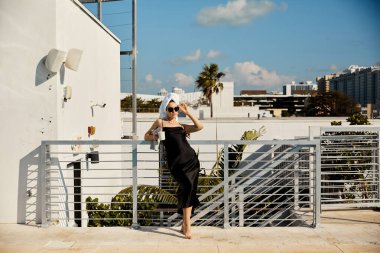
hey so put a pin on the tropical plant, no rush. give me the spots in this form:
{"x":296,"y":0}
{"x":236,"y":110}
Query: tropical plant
{"x":208,"y":82}
{"x":235,"y":153}
{"x":342,"y":170}
{"x":358,"y":119}
{"x":345,"y":169}
{"x":336,"y":123}
{"x":119,"y":212}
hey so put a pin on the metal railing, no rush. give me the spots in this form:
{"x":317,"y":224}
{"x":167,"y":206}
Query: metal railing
{"x":350,"y":167}
{"x":124,"y":183}
{"x":273,"y":183}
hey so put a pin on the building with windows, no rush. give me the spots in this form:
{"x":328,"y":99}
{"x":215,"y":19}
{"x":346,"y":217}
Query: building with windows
{"x":300,"y":88}
{"x":360,"y":83}
{"x":277,"y":104}
{"x":324,"y":82}
{"x":290,"y":102}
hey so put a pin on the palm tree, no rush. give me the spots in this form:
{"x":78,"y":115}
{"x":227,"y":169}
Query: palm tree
{"x":208,"y":82}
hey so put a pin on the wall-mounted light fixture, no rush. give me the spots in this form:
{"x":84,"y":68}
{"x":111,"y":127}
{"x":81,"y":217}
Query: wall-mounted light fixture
{"x":73,"y":59}
{"x":56,"y":58}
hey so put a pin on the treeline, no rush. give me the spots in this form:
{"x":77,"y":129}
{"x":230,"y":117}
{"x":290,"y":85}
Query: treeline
{"x":142,"y":105}
{"x":329,"y":104}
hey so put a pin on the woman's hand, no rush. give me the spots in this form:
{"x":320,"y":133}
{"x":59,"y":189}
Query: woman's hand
{"x":190,"y":128}
{"x":183,"y":108}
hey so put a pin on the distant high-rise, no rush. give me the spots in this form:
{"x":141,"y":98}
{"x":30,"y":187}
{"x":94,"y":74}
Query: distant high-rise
{"x":360,"y":83}
{"x":162,"y":92}
{"x":324,"y":83}
{"x":178,"y":90}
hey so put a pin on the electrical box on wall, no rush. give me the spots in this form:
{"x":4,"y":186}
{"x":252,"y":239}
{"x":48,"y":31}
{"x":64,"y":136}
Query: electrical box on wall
{"x":67,"y":92}
{"x":90,"y":130}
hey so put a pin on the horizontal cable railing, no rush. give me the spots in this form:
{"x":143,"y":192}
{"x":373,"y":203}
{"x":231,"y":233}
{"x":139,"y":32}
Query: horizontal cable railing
{"x":350,"y":167}
{"x":127,"y":183}
{"x":272,"y":183}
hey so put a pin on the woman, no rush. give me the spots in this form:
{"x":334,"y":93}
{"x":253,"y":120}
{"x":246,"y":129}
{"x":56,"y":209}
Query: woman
{"x":182,"y":160}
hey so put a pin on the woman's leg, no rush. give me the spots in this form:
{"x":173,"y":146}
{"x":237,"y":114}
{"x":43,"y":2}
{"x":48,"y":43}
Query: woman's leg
{"x":186,"y":226}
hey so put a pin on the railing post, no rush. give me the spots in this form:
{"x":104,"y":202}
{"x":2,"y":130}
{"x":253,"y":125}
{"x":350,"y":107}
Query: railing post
{"x":233,"y":206}
{"x":296,"y":182}
{"x":41,"y":187}
{"x":377,"y":169}
{"x":226,"y":188}
{"x":241,"y":207}
{"x":135,"y":224}
{"x":317,"y":207}
{"x":312,"y":164}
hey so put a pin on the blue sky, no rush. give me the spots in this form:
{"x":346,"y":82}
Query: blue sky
{"x":258,"y":44}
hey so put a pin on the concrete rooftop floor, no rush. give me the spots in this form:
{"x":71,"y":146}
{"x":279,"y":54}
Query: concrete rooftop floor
{"x":340,"y":231}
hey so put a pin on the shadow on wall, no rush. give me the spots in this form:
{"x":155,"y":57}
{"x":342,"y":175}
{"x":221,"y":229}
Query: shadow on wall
{"x":43,"y":74}
{"x":27,"y":187}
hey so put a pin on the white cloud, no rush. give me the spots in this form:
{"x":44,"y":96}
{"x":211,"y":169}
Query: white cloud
{"x":236,"y":12}
{"x":195,"y":56}
{"x":150,"y":79}
{"x":183,"y":80}
{"x":249,"y":73}
{"x":213,"y":54}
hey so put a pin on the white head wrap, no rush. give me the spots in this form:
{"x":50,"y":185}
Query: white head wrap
{"x":165,"y":102}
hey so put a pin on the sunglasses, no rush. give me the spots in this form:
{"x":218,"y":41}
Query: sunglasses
{"x":172,"y":109}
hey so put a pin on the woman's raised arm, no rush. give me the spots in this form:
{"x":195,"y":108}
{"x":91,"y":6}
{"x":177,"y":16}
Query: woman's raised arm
{"x":197,"y":124}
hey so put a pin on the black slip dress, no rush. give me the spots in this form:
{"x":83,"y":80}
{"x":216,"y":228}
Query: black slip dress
{"x":184,"y":166}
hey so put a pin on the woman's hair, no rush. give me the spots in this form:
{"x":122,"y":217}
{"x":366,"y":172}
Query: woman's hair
{"x":169,"y":103}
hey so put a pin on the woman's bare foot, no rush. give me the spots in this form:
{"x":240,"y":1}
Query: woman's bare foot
{"x":187,"y":232}
{"x":183,"y":228}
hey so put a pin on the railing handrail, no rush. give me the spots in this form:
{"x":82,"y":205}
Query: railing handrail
{"x":350,"y":128}
{"x":306,"y":163}
{"x":307,"y":143}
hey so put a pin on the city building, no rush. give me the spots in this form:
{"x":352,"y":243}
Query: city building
{"x":324,"y":82}
{"x":300,"y":88}
{"x":177,"y":90}
{"x":362,"y":84}
{"x":277,"y":104}
{"x":163,"y":92}
{"x":252,"y":92}
{"x":290,"y":102}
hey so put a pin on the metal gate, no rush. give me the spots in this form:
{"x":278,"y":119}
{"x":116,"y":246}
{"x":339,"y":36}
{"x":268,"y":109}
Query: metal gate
{"x":350,"y":167}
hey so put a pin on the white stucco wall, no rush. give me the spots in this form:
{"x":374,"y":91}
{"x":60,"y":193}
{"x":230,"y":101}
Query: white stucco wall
{"x":97,"y":79}
{"x":31,"y":105}
{"x":233,"y":128}
{"x":225,"y":98}
{"x":223,"y":105}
